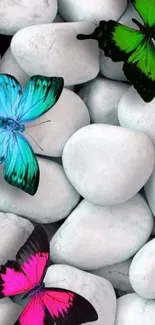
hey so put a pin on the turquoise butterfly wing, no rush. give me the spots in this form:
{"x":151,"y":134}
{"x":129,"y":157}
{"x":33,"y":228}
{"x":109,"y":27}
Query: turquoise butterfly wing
{"x":10,"y":94}
{"x":21,"y":168}
{"x":40,"y":95}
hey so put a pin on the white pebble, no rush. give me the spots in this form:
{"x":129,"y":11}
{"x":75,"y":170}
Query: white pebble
{"x":15,"y":15}
{"x":66,"y":117}
{"x":10,"y":66}
{"x":150,"y":191}
{"x":95,"y":236}
{"x":97,"y":290}
{"x":53,"y":50}
{"x":142,"y":271}
{"x":134,"y":310}
{"x":53,"y":201}
{"x":102,"y":97}
{"x":108,"y":164}
{"x":14,"y":231}
{"x":110,"y":69}
{"x":9,"y":312}
{"x":117,"y":275}
{"x":92,"y":10}
{"x":134,"y":113}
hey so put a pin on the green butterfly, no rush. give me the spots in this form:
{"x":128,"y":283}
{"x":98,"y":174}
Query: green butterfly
{"x":134,"y":47}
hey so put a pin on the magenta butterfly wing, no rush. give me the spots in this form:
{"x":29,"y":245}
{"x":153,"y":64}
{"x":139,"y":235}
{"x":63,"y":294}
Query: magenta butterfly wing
{"x":48,"y":306}
{"x":57,"y":306}
{"x":29,"y":268}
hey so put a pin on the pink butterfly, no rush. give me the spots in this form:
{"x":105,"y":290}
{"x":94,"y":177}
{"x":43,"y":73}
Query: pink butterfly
{"x":48,"y":306}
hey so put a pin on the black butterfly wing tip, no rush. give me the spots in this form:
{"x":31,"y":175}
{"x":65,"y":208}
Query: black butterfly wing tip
{"x":32,"y":189}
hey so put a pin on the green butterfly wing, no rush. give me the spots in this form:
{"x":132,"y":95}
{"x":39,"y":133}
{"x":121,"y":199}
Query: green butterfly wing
{"x":119,"y":41}
{"x":21,"y":167}
{"x":140,"y":70}
{"x":146,"y":9}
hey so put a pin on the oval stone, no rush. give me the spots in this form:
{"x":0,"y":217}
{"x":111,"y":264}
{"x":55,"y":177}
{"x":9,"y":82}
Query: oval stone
{"x":142,"y":271}
{"x":108,"y":164}
{"x":134,"y":113}
{"x":134,"y":310}
{"x":15,"y":15}
{"x":53,"y":50}
{"x":92,"y":10}
{"x":102,"y":97}
{"x":9,"y":312}
{"x":94,"y":236}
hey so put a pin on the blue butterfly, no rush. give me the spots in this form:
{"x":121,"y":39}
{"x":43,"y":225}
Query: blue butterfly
{"x":41,"y":93}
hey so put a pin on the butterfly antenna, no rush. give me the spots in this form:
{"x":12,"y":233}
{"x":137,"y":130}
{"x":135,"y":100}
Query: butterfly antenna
{"x":34,"y":140}
{"x":32,"y":126}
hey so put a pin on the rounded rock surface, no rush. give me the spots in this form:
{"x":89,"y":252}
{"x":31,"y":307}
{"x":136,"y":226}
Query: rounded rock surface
{"x":66,"y":117}
{"x":15,"y":15}
{"x":142,"y":271}
{"x":97,"y":290}
{"x":134,"y":310}
{"x":150,"y":191}
{"x":92,"y":10}
{"x":135,"y":114}
{"x":117,"y":275}
{"x":102,"y":97}
{"x":53,"y":201}
{"x":95,"y":236}
{"x":108,"y":164}
{"x":14,"y":232}
{"x":9,"y":312}
{"x":10,"y":66}
{"x":111,"y":70}
{"x":53,"y":50}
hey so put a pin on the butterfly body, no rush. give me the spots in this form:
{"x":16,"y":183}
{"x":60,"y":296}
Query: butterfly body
{"x":35,"y":291}
{"x":47,"y":306}
{"x":9,"y":124}
{"x":148,"y":31}
{"x":135,"y":47}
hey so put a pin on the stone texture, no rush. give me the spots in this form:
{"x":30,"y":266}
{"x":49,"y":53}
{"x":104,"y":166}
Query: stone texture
{"x":53,"y":50}
{"x":134,"y":113}
{"x":95,"y":236}
{"x":14,"y":231}
{"x":10,"y":66}
{"x":15,"y":15}
{"x":92,"y":10}
{"x":53,"y":201}
{"x":9,"y":311}
{"x":108,"y":164}
{"x":102,"y":97}
{"x":134,"y":310}
{"x":117,"y":275}
{"x":150,"y":191}
{"x":142,"y":271}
